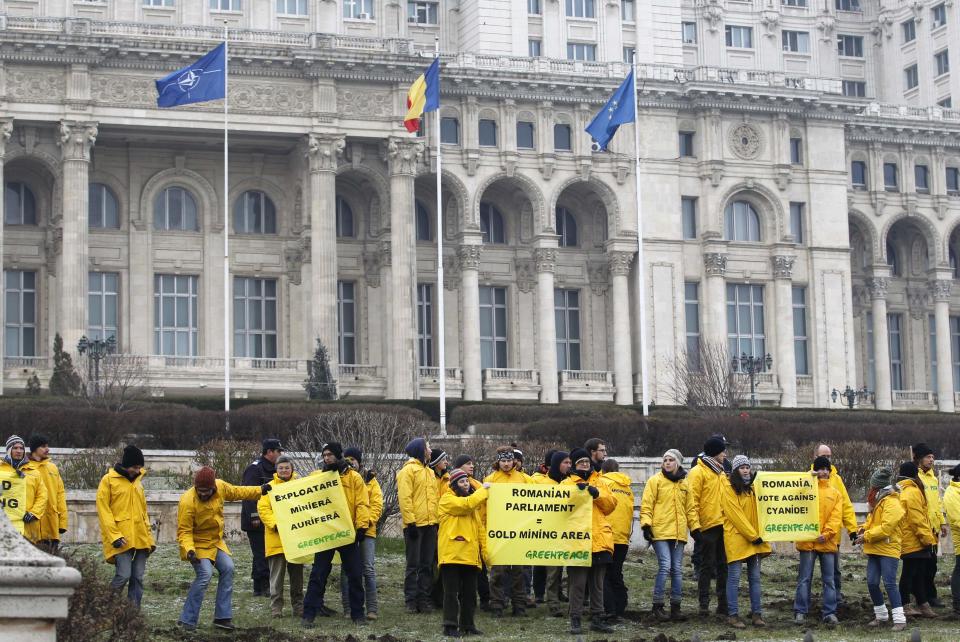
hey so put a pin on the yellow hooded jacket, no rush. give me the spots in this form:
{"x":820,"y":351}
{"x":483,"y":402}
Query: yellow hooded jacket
{"x":951,"y":504}
{"x":848,"y":514}
{"x":740,"y":525}
{"x":621,"y":519}
{"x":881,"y":531}
{"x":932,"y":491}
{"x":462,"y":538}
{"x":915,"y":531}
{"x":513,"y":477}
{"x":603,"y":506}
{"x":122,"y":512}
{"x":358,"y":500}
{"x":442,"y":483}
{"x":55,"y":515}
{"x":704,"y":487}
{"x":375,"y":495}
{"x":36,"y":499}
{"x":831,"y":519}
{"x":666,"y":507}
{"x":271,"y":537}
{"x":200,"y":524}
{"x":415,"y":484}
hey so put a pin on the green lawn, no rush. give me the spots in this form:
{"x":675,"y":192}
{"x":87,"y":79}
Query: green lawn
{"x":168,"y":578}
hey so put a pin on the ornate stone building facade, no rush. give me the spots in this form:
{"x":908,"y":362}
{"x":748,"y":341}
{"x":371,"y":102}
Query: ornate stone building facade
{"x":800,"y":185}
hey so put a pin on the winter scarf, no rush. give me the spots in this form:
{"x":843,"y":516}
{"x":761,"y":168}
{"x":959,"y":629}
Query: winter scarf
{"x":676,"y":475}
{"x":712,"y":463}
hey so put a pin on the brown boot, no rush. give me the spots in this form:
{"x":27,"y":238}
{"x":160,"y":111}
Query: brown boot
{"x":757,"y":620}
{"x":927,"y":612}
{"x":911,"y":611}
{"x":898,"y":627}
{"x":276,"y":611}
{"x":735,"y":622}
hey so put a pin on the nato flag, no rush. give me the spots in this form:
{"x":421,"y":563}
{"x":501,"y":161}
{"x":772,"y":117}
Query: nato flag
{"x":202,"y":81}
{"x":620,"y":109}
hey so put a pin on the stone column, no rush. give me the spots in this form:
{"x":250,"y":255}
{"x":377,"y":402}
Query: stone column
{"x":714,"y":313}
{"x":402,"y":378}
{"x":546,"y":261}
{"x":784,"y":357}
{"x":6,"y":128}
{"x":940,"y":292}
{"x":881,"y":346}
{"x":76,"y":141}
{"x":323,"y":151}
{"x":622,"y":343}
{"x":469,"y":256}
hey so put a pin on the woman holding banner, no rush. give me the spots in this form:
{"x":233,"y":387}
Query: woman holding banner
{"x":273,"y":548}
{"x":880,"y":537}
{"x":917,"y":541}
{"x":505,"y":472}
{"x":368,"y":546}
{"x":742,"y":541}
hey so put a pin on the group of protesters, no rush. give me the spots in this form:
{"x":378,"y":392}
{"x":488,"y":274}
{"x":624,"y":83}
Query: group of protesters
{"x":444,"y":519}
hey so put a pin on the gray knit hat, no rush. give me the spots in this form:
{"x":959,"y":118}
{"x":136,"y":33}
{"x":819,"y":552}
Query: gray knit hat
{"x":881,"y":478}
{"x":739,"y":460}
{"x":673,"y":452}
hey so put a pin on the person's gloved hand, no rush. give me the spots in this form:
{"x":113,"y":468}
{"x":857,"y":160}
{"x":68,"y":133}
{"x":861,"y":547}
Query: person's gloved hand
{"x":120,"y":542}
{"x":758,"y":541}
{"x":853,"y":538}
{"x":594,"y":491}
{"x":582,"y":485}
{"x":361,"y":535}
{"x":62,"y":531}
{"x":647,"y":532}
{"x":411,"y":532}
{"x":191,"y":556}
{"x":29,"y":517}
{"x":266,"y":488}
{"x":695,"y":534}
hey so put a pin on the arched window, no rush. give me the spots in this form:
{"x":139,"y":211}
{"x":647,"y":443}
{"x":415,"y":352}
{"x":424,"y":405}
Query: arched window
{"x":491,"y":224}
{"x":175,"y":209}
{"x":102,"y":209}
{"x":254,"y":213}
{"x":423,"y":223}
{"x":344,"y":220}
{"x":742,"y":222}
{"x":893,"y":260}
{"x":20,"y":207}
{"x":953,"y":264}
{"x":566,"y":228}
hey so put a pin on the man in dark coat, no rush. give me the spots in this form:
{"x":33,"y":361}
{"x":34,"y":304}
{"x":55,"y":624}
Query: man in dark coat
{"x":258,"y":473}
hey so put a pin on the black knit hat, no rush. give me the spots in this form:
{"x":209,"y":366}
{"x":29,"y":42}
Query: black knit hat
{"x":37,"y":441}
{"x":955,"y":471}
{"x":333,"y":447}
{"x":132,"y":456}
{"x":577,"y":454}
{"x":921,"y":450}
{"x":714,"y":446}
{"x":461,"y":460}
{"x":908,"y":469}
{"x":821,"y":463}
{"x":437,"y":456}
{"x":353,"y":451}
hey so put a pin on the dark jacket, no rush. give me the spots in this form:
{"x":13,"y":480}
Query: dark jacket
{"x":258,"y":473}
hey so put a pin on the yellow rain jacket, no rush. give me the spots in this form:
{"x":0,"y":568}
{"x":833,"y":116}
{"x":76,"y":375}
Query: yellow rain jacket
{"x":740,"y":526}
{"x":915,"y":532}
{"x":848,"y":514}
{"x":603,"y":505}
{"x":200,"y":524}
{"x":881,"y":531}
{"x":951,"y":504}
{"x":271,"y":536}
{"x":621,"y":519}
{"x":704,"y":487}
{"x":357,"y":498}
{"x":831,"y":519}
{"x":932,"y":491}
{"x":375,"y":495}
{"x":55,"y":515}
{"x":418,"y":502}
{"x":36,"y":500}
{"x":462,"y":538}
{"x":122,"y":512}
{"x":441,"y":483}
{"x":513,"y":477}
{"x":666,"y":507}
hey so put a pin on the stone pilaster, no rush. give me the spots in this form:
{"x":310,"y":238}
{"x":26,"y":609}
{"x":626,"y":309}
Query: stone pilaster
{"x":881,"y":347}
{"x":940,"y":293}
{"x":545,"y":258}
{"x":469,"y":257}
{"x":785,"y":358}
{"x":622,"y":342}
{"x":715,"y":299}
{"x":6,"y":128}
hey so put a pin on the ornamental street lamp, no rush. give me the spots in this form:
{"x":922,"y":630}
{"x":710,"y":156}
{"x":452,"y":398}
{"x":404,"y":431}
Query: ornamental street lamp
{"x":852,"y":397}
{"x":98,"y":349}
{"x":751,"y":365}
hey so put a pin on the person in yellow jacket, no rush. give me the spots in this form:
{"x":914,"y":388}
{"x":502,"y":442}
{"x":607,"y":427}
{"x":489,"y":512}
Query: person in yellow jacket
{"x":467,"y":465}
{"x":704,"y":482}
{"x":273,"y":547}
{"x":741,"y":541}
{"x":666,"y":513}
{"x":368,"y":546}
{"x":917,"y":540}
{"x":416,"y":486}
{"x":951,"y":505}
{"x":880,"y":538}
{"x":615,"y":593}
{"x":587,"y":479}
{"x":925,"y":458}
{"x":462,"y":552}
{"x":505,"y":472}
{"x":16,"y":464}
{"x":849,"y":515}
{"x":824,"y":548}
{"x":54,"y":521}
{"x":200,"y":536}
{"x":124,"y":523}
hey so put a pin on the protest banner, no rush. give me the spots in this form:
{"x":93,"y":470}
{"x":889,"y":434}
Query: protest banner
{"x":787,"y":506}
{"x":312,"y":516}
{"x":539,"y":525}
{"x":13,"y":497}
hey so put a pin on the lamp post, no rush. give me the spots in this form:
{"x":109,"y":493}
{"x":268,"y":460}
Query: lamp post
{"x":751,"y":365}
{"x":98,"y":349}
{"x":852,"y":397}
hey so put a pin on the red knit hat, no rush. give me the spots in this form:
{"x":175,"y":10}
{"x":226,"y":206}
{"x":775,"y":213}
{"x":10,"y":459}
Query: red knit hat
{"x":205,"y":478}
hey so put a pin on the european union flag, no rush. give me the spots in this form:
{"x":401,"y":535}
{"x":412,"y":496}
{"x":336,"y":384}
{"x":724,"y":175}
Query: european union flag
{"x":620,"y":109}
{"x":202,"y":81}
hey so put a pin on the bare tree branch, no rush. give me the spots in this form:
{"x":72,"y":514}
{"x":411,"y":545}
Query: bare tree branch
{"x":121,"y":381}
{"x":705,"y":383}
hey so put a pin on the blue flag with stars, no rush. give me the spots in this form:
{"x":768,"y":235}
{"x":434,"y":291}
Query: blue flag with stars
{"x":202,"y":81}
{"x":620,"y":109}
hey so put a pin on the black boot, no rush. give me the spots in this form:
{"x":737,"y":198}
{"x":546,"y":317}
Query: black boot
{"x":659,"y":613}
{"x":451,"y":631}
{"x":575,"y":626}
{"x":675,"y":615}
{"x":600,"y":625}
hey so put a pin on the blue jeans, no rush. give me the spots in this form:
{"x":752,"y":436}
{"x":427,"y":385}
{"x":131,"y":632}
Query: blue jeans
{"x":130,"y":567}
{"x":204,"y":570}
{"x":367,"y":555}
{"x":733,"y":584}
{"x":885,"y":568}
{"x":828,"y":562}
{"x":670,"y":562}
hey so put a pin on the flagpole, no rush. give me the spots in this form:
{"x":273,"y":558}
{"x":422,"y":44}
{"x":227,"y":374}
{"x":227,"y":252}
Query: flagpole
{"x":641,"y":278}
{"x":441,"y":343}
{"x":226,"y":224}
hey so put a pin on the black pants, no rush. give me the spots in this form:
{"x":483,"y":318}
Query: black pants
{"x":930,"y":576}
{"x":614,"y":588}
{"x":421,"y":550}
{"x":350,"y":563}
{"x":539,"y":582}
{"x":483,"y":585}
{"x":507,"y":587}
{"x":261,"y":570}
{"x":713,"y":566}
{"x":913,"y":580}
{"x":955,"y":585}
{"x":51,"y":546}
{"x":459,"y":595}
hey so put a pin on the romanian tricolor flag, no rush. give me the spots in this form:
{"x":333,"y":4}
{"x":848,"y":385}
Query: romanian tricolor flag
{"x":423,"y":96}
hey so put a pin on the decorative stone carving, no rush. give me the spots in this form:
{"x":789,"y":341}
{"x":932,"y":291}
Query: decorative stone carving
{"x":771,"y":21}
{"x":940,"y":289}
{"x":386,"y":253}
{"x":123,"y":91}
{"x":783,"y":266}
{"x":324,"y":150}
{"x":546,"y":259}
{"x":364,"y":101}
{"x":746,"y":141}
{"x":403,"y":155}
{"x":877,"y":287}
{"x":712,"y":11}
{"x":270,"y":98}
{"x":918,"y":301}
{"x":883,"y":27}
{"x":715,"y":263}
{"x":77,"y":139}
{"x":35,"y":84}
{"x":469,"y":256}
{"x":526,"y":277}
{"x":52,"y":247}
{"x":293,"y":260}
{"x":6,"y":130}
{"x":597,"y":273}
{"x":371,"y":268}
{"x":826,"y":23}
{"x":451,"y":271}
{"x":619,"y":262}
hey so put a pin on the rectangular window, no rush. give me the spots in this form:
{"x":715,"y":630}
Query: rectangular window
{"x":534,"y":8}
{"x":953,"y":180}
{"x":450,"y":130}
{"x":580,"y":9}
{"x":691,"y":311}
{"x":800,"y":339}
{"x":850,"y":46}
{"x":534,"y":47}
{"x":932,"y":327}
{"x":103,"y":304}
{"x":566,"y":310}
{"x":796,"y":151}
{"x":858,"y":174}
{"x":347,"y":321}
{"x":689,"y":33}
{"x":493,"y":327}
{"x":254,"y":318}
{"x":20,"y":335}
{"x":686,"y":144}
{"x":795,"y":41}
{"x":938,"y":15}
{"x":561,"y":138}
{"x":848,"y":5}
{"x":739,"y":37}
{"x":628,"y":54}
{"x":942,"y":61}
{"x":910,"y":77}
{"x":299,"y":7}
{"x":158,"y":3}
{"x":796,"y":221}
{"x":581,"y":51}
{"x":745,"y":323}
{"x":895,"y":340}
{"x":175,"y":318}
{"x":225,"y":5}
{"x":857,"y":88}
{"x":488,"y":133}
{"x":628,"y":10}
{"x":422,"y":13}
{"x":890,"y":177}
{"x":794,"y":3}
{"x":871,"y":360}
{"x":955,"y":351}
{"x":525,"y":135}
{"x":688,"y":206}
{"x":909,"y":30}
{"x":921,"y":178}
{"x":946,"y":103}
{"x":425,"y":324}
